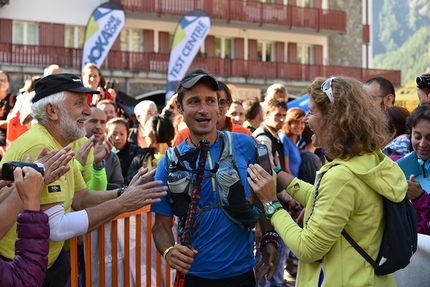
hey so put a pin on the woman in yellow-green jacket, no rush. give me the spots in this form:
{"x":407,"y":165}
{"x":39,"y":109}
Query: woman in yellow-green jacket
{"x":351,"y":129}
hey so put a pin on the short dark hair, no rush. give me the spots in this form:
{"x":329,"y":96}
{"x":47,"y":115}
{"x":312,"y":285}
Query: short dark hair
{"x":307,"y":135}
{"x":118,"y":121}
{"x":397,"y":120}
{"x":275,"y":103}
{"x":163,"y":129}
{"x":252,"y":108}
{"x":223,"y":87}
{"x":420,"y":113}
{"x":385,"y":86}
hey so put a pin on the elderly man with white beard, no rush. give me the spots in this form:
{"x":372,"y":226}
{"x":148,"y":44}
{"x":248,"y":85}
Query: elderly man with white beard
{"x":61,"y":110}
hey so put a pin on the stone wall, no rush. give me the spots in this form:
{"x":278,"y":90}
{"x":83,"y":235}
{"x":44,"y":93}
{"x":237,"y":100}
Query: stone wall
{"x":346,"y":49}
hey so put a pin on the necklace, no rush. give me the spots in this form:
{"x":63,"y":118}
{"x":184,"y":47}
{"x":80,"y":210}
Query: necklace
{"x":217,"y":136}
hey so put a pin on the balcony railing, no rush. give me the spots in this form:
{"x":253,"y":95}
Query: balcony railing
{"x":246,"y":11}
{"x":22,"y":55}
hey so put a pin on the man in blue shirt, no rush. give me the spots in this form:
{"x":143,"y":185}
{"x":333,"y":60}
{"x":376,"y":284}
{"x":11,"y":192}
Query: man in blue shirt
{"x":222,"y":252}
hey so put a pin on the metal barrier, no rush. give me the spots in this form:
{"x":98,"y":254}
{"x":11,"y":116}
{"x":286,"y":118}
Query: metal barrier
{"x":163,"y":276}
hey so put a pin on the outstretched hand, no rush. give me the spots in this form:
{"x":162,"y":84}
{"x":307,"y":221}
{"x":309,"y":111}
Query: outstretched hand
{"x":262,"y":183}
{"x":414,"y":188}
{"x":268,"y":263}
{"x":139,"y":194}
{"x":55,"y":162}
{"x":101,"y":151}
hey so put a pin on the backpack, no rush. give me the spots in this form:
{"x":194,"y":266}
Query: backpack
{"x":230,"y":190}
{"x":400,"y":238}
{"x":399,"y":241}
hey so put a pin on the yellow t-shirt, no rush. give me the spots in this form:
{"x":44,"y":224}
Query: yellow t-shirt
{"x":61,"y":190}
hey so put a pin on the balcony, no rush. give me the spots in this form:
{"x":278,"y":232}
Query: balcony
{"x":246,"y":11}
{"x":42,"y":56}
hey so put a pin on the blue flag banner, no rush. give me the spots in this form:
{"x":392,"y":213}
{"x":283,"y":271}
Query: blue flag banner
{"x":189,"y":36}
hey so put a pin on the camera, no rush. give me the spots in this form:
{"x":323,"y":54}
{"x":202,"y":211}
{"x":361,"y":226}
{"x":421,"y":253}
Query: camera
{"x":9,"y":167}
{"x":423,"y":82}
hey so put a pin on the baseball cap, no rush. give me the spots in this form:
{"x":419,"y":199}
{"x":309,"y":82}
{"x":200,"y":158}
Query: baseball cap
{"x":193,"y":77}
{"x":56,"y":83}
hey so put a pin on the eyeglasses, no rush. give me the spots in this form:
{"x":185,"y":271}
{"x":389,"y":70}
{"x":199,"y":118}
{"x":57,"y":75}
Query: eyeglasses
{"x":327,"y":88}
{"x":223,"y":103}
{"x":380,"y":96}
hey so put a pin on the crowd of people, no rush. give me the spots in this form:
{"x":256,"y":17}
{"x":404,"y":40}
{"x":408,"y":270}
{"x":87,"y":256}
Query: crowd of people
{"x":195,"y":163}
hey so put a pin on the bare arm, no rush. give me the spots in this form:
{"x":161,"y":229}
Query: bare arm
{"x":10,"y":208}
{"x":269,"y":261}
{"x":180,"y":257}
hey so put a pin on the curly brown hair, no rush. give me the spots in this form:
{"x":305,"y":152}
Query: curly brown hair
{"x":353,"y":124}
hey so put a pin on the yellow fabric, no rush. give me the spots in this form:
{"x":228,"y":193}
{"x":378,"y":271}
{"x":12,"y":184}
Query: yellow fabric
{"x":349,"y":197}
{"x":31,"y":143}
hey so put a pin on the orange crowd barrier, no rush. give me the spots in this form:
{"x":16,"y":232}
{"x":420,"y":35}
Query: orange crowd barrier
{"x":119,"y":253}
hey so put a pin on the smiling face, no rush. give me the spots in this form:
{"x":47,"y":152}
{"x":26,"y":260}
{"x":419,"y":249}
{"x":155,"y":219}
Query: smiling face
{"x":4,"y":83}
{"x":120,"y":133}
{"x":73,"y":113}
{"x":420,"y":139}
{"x":313,"y":119}
{"x":236,"y":113}
{"x":200,"y":110}
{"x":91,"y":78}
{"x":109,"y":110}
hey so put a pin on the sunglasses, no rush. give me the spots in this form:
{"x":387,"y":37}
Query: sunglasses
{"x":380,"y":96}
{"x":327,"y":88}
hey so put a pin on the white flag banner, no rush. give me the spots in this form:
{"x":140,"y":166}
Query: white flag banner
{"x":189,"y":36}
{"x":103,"y":28}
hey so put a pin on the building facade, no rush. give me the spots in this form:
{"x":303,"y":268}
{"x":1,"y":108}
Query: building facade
{"x":251,"y":45}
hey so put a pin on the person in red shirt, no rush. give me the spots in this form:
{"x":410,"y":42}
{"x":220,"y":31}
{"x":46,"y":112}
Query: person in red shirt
{"x":224,"y":123}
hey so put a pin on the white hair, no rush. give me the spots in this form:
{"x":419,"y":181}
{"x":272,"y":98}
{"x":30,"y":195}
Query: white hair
{"x":38,"y":108}
{"x":142,"y":107}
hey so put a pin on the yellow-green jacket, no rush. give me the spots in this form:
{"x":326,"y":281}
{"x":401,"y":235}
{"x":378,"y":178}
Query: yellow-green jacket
{"x":349,"y":197}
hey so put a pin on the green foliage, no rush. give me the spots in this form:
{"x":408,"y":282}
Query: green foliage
{"x":412,"y":58}
{"x":401,"y":36}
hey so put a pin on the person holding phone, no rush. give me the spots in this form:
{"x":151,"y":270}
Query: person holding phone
{"x":348,"y":191}
{"x":419,"y":125}
{"x":19,"y":201}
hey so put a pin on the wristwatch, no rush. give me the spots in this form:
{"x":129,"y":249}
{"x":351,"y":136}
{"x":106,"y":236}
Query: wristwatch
{"x":271,"y":207}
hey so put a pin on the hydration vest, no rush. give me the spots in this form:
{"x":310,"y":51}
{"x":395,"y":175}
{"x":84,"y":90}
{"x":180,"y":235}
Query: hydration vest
{"x":229,"y":188}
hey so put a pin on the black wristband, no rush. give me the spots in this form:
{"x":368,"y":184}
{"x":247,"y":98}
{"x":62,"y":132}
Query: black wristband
{"x":120,"y":191}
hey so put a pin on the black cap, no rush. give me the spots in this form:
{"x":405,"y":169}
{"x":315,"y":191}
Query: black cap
{"x":56,"y":83}
{"x":192,"y":78}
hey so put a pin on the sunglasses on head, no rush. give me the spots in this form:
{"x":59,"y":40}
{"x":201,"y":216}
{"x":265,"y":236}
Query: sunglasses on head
{"x":327,"y":88}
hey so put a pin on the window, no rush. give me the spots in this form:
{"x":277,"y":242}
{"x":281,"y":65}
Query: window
{"x":25,"y":33}
{"x":304,"y":3}
{"x":304,"y":55}
{"x":131,"y":40}
{"x":74,"y":37}
{"x":264,"y":51}
{"x":223,"y":48}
